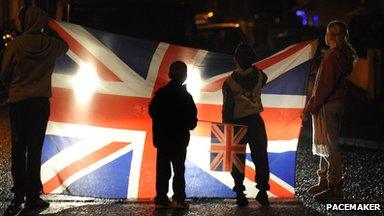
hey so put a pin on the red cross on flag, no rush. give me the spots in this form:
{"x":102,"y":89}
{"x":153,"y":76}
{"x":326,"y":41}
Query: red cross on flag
{"x":227,"y":147}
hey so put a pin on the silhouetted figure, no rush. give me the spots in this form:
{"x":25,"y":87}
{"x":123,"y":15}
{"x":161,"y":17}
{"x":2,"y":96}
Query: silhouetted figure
{"x":26,"y":70}
{"x":173,"y":114}
{"x":326,"y":106}
{"x":242,"y":105}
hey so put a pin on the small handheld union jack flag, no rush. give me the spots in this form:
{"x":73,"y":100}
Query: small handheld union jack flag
{"x":226,"y":147}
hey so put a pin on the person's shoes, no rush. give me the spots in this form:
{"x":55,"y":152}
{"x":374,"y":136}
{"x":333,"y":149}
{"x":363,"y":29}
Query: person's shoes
{"x":179,"y":205}
{"x":333,"y":192}
{"x":36,"y":203}
{"x":328,"y":194}
{"x":262,"y":198}
{"x":162,"y":204}
{"x":320,"y":187}
{"x":14,"y":208}
{"x":241,"y":200}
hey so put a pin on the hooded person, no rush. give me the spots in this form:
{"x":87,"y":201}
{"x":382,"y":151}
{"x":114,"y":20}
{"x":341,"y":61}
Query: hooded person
{"x":242,"y":105}
{"x":26,"y":70}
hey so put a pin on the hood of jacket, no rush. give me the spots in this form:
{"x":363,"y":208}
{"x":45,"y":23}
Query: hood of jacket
{"x":345,"y":60}
{"x":33,"y":43}
{"x":35,"y":20}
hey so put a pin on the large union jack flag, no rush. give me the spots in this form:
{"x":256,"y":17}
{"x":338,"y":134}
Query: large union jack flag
{"x":227,"y":150}
{"x":99,"y":142}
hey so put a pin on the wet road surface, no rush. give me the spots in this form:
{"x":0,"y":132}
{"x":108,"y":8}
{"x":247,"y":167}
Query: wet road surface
{"x":363,"y":183}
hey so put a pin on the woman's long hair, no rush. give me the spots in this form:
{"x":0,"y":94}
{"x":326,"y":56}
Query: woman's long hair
{"x":338,"y":31}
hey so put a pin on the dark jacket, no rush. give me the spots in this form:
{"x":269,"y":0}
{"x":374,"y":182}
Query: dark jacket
{"x":173,"y":114}
{"x":330,"y":80}
{"x":248,"y":82}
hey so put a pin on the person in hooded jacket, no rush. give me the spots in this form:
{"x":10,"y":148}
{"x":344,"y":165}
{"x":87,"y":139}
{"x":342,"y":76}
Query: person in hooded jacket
{"x":173,"y":114}
{"x":26,"y":70}
{"x":326,"y":106}
{"x":242,"y":105}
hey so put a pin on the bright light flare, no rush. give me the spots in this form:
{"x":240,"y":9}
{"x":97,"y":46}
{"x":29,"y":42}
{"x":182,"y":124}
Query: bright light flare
{"x":194,"y":82}
{"x":85,"y":82}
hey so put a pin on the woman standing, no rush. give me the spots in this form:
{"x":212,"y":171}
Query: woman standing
{"x":326,"y":106}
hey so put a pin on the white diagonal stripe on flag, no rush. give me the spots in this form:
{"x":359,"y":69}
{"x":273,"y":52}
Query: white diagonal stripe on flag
{"x":274,"y":178}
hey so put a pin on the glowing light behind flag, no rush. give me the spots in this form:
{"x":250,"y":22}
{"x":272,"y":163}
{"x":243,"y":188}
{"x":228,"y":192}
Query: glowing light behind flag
{"x":85,"y":82}
{"x":194,"y":82}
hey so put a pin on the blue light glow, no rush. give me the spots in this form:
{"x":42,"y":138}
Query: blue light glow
{"x":300,"y":13}
{"x":303,"y":16}
{"x":316,"y":20}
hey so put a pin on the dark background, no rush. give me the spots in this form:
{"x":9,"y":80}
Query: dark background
{"x":267,"y":25}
